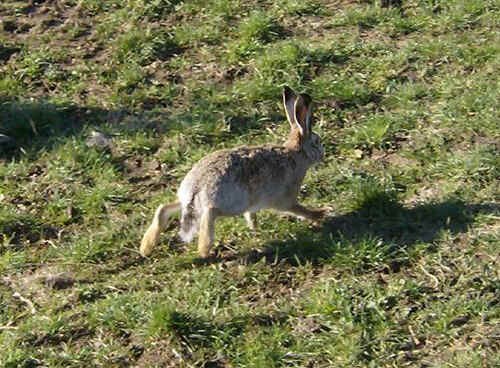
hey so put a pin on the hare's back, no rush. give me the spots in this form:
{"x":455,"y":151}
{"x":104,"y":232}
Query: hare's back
{"x":240,"y":179}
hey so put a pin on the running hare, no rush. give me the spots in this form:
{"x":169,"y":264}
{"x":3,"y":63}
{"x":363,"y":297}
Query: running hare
{"x":244,"y":180}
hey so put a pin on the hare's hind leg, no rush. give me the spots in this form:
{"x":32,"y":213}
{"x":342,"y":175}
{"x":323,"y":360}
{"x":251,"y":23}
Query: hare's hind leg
{"x":160,"y":219}
{"x":251,"y":219}
{"x":206,"y":234}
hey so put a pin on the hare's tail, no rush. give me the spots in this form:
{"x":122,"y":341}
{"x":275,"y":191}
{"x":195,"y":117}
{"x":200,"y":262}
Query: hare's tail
{"x":189,"y":223}
{"x":160,"y":220}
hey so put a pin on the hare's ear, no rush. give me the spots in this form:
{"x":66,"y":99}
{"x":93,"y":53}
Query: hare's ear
{"x":303,"y":112}
{"x":289,"y":98}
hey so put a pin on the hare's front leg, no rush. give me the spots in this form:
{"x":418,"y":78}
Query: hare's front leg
{"x":251,"y":219}
{"x":206,"y":234}
{"x":311,"y":214}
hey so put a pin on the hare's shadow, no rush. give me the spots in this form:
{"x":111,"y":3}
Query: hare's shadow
{"x":399,"y":229}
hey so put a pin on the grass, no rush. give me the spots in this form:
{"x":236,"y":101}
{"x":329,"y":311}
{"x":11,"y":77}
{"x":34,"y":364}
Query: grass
{"x":404,"y":272}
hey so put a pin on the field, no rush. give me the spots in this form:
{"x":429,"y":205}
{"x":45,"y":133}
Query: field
{"x":403,"y":273}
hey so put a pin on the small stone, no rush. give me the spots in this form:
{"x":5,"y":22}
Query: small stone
{"x":357,"y":153}
{"x":99,"y":140}
{"x":59,"y":281}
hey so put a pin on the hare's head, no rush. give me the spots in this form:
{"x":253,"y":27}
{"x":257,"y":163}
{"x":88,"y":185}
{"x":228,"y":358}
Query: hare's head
{"x":299,"y":114}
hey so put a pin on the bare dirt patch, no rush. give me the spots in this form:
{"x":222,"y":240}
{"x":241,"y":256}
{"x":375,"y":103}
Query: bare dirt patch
{"x":38,"y":287}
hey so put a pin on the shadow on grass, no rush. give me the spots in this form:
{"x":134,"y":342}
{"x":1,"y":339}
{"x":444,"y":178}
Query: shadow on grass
{"x":36,"y":125}
{"x":379,"y":235}
{"x":194,"y":333}
{"x":24,"y":228}
{"x":32,"y":126}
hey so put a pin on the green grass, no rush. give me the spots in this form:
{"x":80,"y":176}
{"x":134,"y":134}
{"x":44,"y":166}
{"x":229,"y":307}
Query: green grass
{"x":404,"y":272}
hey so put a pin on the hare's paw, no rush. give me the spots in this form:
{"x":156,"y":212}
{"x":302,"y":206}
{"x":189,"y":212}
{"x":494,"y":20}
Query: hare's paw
{"x":320,"y":214}
{"x":315,"y":215}
{"x":149,"y":240}
{"x":324,"y":212}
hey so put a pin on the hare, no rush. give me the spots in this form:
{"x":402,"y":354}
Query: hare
{"x":244,"y":180}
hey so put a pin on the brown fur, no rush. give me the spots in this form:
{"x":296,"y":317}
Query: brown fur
{"x":294,"y":141}
{"x":245,"y":180}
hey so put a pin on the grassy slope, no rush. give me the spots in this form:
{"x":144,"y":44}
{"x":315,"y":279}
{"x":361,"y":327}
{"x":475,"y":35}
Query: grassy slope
{"x":404,"y":274}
